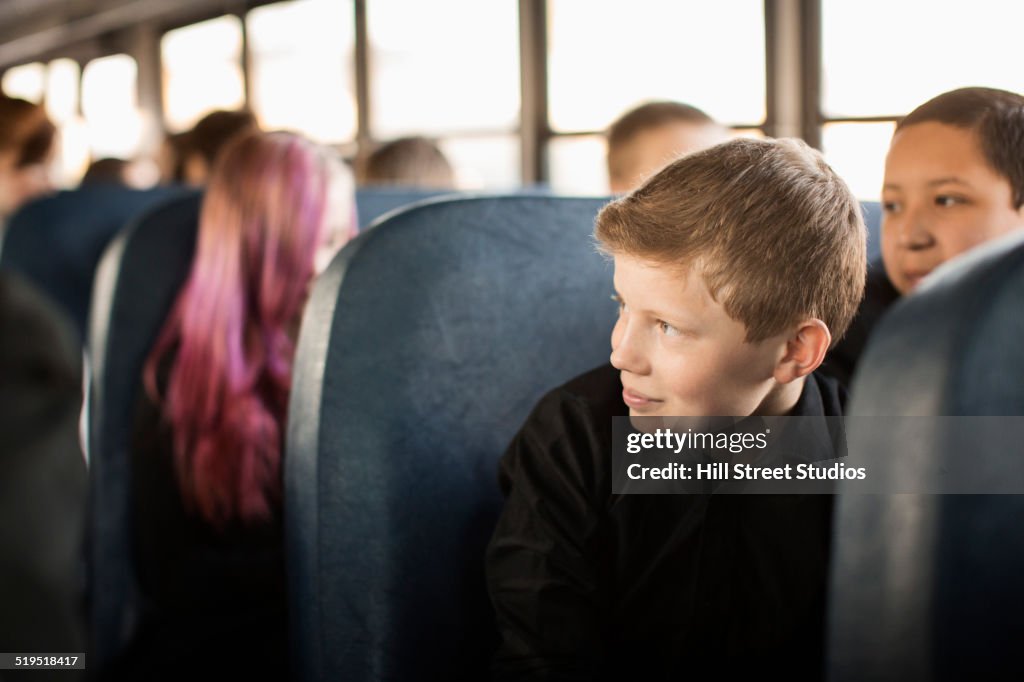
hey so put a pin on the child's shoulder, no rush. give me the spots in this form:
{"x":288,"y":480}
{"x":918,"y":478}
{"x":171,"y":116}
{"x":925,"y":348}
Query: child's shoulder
{"x":589,"y":400}
{"x":832,"y":392}
{"x":568,"y":434}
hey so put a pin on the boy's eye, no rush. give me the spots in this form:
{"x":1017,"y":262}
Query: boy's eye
{"x":946,"y":201}
{"x":667,"y":329}
{"x":890,"y":206}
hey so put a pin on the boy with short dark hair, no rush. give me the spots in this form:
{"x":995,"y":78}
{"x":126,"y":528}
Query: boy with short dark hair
{"x":735,"y":269}
{"x":954,"y":179}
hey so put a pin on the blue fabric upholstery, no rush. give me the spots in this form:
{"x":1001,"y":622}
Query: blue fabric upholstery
{"x":873,"y":221}
{"x":136,"y":284}
{"x":57,"y":242}
{"x":929,"y":586}
{"x":423,"y":348}
{"x":373,"y":202}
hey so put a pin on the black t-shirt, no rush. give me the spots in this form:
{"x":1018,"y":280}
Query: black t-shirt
{"x":588,"y":585}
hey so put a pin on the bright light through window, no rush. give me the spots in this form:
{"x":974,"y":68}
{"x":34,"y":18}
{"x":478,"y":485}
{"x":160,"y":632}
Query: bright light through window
{"x":62,"y":90}
{"x":606,"y":56}
{"x":302,"y":55}
{"x":484,"y":162}
{"x":202,"y":66}
{"x":884,"y":58}
{"x":110,"y":106}
{"x":27,"y":81}
{"x":857,"y":152}
{"x":578,"y":164}
{"x":443,"y":67}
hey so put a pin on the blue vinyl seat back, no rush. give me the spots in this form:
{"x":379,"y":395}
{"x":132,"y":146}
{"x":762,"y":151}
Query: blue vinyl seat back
{"x":424,"y":347}
{"x":928,"y":586}
{"x":57,"y":241}
{"x":137,"y":282}
{"x":373,"y":202}
{"x":873,"y":221}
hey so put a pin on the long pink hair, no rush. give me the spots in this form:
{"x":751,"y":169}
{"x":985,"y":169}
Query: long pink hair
{"x":231,"y":333}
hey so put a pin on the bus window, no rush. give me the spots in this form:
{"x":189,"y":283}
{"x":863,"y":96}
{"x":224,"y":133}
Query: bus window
{"x":450,"y":70}
{"x":304,"y":85}
{"x":857,"y":152}
{"x":110,"y":106}
{"x":488,"y":162}
{"x":603,"y":60}
{"x":202,"y":69}
{"x":578,"y":164}
{"x":27,"y":81}
{"x":445,"y":67}
{"x":63,"y":77}
{"x":881,"y":59}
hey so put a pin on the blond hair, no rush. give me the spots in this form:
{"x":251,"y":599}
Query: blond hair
{"x":774,"y":232}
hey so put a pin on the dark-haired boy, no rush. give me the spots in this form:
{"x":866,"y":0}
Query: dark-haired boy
{"x":735,"y":268}
{"x":954,"y":179}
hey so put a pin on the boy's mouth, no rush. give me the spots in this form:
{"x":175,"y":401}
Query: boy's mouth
{"x":914,"y":277}
{"x":638,"y":401}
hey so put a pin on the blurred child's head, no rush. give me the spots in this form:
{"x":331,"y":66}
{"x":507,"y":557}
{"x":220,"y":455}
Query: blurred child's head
{"x":645,"y":139}
{"x":203,"y":144}
{"x":736,"y":267}
{"x":27,"y":145}
{"x":408,"y":162}
{"x":954,"y":178}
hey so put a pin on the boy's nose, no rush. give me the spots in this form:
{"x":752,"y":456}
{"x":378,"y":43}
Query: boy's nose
{"x":628,"y":353}
{"x":911,"y":233}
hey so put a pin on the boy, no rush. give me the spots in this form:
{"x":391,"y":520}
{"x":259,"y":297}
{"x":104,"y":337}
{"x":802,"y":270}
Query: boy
{"x":954,"y":178}
{"x":645,"y":139}
{"x":735,"y":268}
{"x":407,"y":162}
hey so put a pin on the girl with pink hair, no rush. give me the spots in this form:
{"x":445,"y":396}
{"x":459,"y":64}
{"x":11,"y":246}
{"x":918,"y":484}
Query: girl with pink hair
{"x":207,"y":457}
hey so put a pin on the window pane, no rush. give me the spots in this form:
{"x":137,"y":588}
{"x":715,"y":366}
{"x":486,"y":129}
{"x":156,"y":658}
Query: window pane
{"x":578,"y":165}
{"x":27,"y":81}
{"x":443,"y":67}
{"x":62,"y":90}
{"x":605,"y":57}
{"x":857,"y":152}
{"x":73,"y":152}
{"x":484,"y":162}
{"x":109,"y":106}
{"x":202,"y":70}
{"x":304,"y":85}
{"x":884,"y":58}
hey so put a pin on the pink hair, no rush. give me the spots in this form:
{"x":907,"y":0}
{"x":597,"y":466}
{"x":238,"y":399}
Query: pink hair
{"x":233,"y":326}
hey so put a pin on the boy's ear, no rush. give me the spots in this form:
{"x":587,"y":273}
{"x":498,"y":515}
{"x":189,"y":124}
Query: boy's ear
{"x":805,"y":351}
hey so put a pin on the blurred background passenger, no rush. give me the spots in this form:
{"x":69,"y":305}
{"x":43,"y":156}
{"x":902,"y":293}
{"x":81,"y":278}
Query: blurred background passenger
{"x":107,"y":171}
{"x":201,"y":145}
{"x":27,"y":144}
{"x":408,"y":162}
{"x":646,"y":139}
{"x":171,"y":159}
{"x":210,"y":425}
{"x":42,"y":477}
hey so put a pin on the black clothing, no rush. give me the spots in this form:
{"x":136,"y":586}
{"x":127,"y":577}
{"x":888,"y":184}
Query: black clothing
{"x":43,"y":479}
{"x":592,"y":586}
{"x":879,"y":294}
{"x":215,"y":604}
